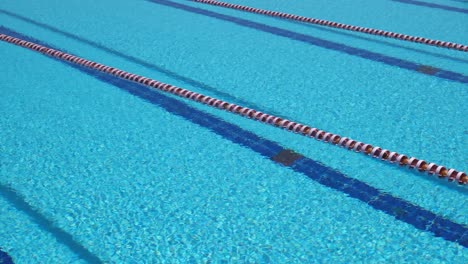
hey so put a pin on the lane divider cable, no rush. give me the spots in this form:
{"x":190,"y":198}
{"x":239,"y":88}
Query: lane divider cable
{"x":321,"y":135}
{"x":321,"y":22}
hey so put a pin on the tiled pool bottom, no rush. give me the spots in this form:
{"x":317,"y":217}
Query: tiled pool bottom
{"x":329,"y":217}
{"x":396,"y":207}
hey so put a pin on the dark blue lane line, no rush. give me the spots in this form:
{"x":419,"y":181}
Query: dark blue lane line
{"x":432,"y":5}
{"x":15,"y":199}
{"x":358,"y":52}
{"x":402,"y":210}
{"x":5,"y":258}
{"x":146,"y":64}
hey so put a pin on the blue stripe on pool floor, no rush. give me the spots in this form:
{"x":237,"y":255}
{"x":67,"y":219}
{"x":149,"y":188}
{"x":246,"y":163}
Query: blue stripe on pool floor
{"x":5,"y":258}
{"x":432,"y":5}
{"x":358,"y":52}
{"x":15,"y":199}
{"x":400,"y":209}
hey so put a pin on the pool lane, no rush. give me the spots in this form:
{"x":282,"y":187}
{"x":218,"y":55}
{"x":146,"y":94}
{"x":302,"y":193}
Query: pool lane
{"x":341,"y":26}
{"x":144,"y":63}
{"x":398,"y":208}
{"x":315,"y":41}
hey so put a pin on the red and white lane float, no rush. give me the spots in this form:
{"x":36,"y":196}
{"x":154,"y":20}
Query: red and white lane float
{"x":372,"y":31}
{"x":350,"y":144}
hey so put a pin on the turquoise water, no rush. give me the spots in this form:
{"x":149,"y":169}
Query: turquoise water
{"x":128,"y":181}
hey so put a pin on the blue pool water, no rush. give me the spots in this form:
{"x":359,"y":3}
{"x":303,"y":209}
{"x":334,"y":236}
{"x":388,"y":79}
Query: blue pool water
{"x":92,"y":169}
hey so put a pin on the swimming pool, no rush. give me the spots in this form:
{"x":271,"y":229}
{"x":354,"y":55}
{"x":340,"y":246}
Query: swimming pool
{"x":98,"y":169}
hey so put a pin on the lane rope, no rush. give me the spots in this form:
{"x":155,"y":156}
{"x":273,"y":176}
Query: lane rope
{"x":321,"y":135}
{"x":372,"y":31}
